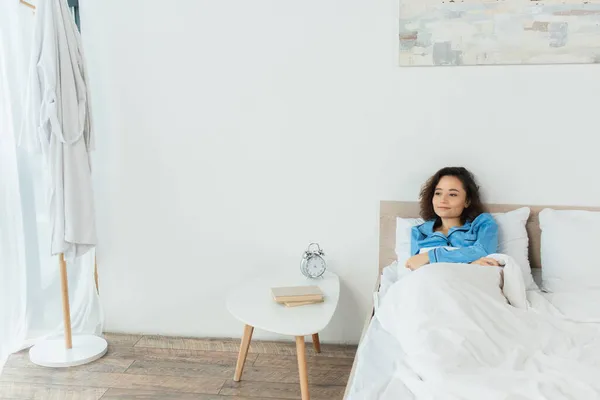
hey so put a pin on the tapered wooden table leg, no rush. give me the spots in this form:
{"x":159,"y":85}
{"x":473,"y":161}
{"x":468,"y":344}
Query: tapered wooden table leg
{"x":239,"y":368}
{"x":316,"y":342}
{"x":300,"y":350}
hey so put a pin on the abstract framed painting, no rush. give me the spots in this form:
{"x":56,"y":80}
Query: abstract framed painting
{"x":498,"y":32}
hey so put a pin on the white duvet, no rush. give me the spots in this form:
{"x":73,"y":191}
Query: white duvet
{"x":461,"y":331}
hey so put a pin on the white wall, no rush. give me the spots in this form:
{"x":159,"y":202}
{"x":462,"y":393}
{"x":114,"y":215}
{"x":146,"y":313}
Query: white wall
{"x":233,"y":133}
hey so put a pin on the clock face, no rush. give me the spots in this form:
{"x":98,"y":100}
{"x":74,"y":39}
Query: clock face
{"x":315,"y":266}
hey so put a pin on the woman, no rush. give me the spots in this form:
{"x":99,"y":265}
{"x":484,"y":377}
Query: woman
{"x":456,"y":229}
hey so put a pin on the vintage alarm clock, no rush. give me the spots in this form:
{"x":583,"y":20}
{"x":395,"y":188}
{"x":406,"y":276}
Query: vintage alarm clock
{"x":313,"y":264}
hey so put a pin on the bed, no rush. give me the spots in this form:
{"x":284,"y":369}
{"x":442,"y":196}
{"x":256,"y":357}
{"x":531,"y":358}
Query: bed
{"x":377,"y":363}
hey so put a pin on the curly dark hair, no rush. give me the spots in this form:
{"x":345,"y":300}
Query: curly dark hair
{"x":470,"y":185}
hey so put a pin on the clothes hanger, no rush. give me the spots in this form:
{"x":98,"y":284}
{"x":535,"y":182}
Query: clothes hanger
{"x":27,"y":4}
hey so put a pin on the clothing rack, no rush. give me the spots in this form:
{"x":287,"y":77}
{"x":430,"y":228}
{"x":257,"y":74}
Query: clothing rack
{"x":64,"y":282}
{"x":83,"y":348}
{"x":63,"y":270}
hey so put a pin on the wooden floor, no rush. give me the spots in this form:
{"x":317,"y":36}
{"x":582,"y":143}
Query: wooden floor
{"x":165,"y":368}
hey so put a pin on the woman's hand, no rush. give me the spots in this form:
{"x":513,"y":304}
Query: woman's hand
{"x":416,"y":262}
{"x":487,"y":261}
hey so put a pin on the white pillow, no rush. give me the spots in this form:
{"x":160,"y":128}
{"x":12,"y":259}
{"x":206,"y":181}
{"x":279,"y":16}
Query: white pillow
{"x":568,"y":236}
{"x":512,"y":239}
{"x":403,"y":237}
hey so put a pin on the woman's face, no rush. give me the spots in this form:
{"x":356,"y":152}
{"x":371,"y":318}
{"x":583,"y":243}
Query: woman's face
{"x":449,"y":198}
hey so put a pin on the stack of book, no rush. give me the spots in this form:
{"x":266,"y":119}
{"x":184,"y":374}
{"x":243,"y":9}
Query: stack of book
{"x":293,"y":296}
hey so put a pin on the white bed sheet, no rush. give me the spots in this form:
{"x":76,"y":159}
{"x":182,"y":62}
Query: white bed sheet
{"x":383,"y":373}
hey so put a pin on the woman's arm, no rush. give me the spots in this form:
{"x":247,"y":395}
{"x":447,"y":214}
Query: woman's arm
{"x":486,"y":243}
{"x":416,"y":260}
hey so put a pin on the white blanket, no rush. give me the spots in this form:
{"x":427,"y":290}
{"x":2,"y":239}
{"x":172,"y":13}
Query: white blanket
{"x":449,"y":331}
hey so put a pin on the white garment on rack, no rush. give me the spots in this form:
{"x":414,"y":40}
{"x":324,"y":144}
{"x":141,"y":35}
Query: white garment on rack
{"x":57,"y":123}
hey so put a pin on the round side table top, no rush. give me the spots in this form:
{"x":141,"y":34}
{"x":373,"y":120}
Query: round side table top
{"x":252,"y":303}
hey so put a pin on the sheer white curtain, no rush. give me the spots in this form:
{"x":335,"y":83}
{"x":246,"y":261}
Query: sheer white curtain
{"x":30,"y":291}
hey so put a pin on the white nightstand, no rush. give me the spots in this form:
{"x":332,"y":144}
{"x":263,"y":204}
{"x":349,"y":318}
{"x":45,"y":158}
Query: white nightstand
{"x":253,"y":304}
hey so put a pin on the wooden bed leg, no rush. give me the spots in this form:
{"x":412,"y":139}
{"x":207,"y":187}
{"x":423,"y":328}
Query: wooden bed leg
{"x":316,"y":342}
{"x":244,"y":346}
{"x":300,"y":350}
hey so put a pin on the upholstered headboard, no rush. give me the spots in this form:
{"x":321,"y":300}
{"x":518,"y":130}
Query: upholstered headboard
{"x":390,"y":210}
